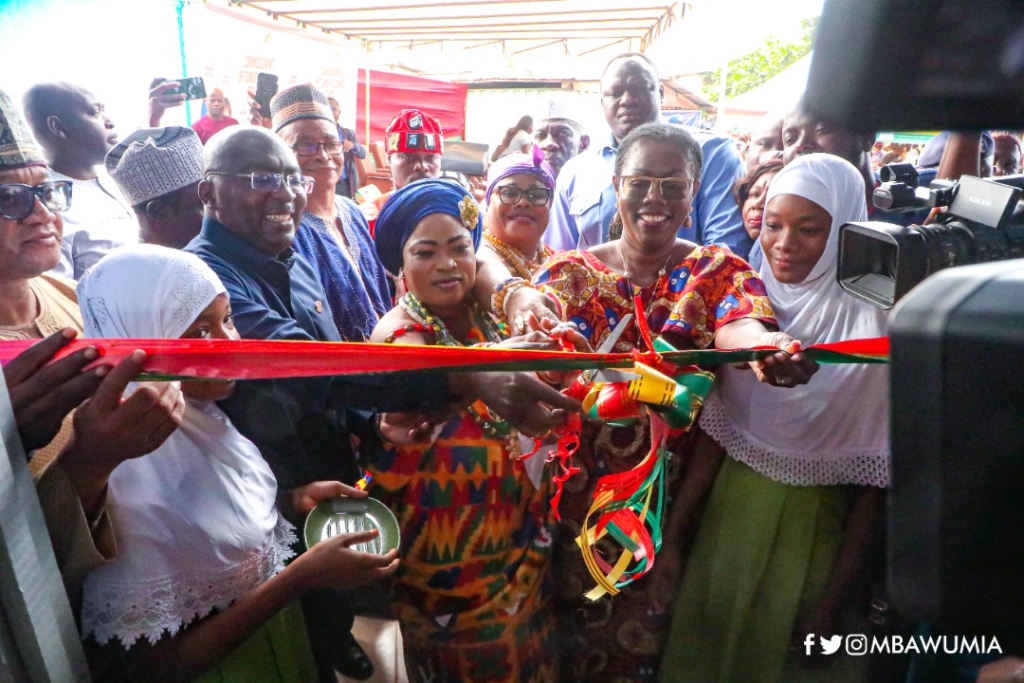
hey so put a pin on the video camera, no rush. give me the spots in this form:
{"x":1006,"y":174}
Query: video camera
{"x":984,"y":221}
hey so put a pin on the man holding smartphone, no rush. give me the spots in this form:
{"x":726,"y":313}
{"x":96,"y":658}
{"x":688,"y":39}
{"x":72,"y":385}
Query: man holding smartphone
{"x":215,"y":120}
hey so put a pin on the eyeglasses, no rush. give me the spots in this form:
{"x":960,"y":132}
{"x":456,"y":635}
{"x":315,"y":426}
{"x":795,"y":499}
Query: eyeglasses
{"x":308,"y":149}
{"x":17,"y":200}
{"x":510,"y":194}
{"x":272,"y":182}
{"x":637,"y":187}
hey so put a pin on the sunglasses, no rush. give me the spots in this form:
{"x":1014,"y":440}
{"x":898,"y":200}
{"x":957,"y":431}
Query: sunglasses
{"x":17,"y":200}
{"x":510,"y":194}
{"x":637,"y":187}
{"x":272,"y":182}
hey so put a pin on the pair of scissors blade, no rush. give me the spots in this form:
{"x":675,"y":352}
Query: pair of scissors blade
{"x":609,"y":342}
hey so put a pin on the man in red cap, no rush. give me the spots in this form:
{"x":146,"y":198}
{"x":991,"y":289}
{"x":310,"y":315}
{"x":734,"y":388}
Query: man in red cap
{"x":414,"y":143}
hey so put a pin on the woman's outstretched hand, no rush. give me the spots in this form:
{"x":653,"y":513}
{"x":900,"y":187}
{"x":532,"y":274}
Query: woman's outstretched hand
{"x":334,"y":564}
{"x":787,"y":368}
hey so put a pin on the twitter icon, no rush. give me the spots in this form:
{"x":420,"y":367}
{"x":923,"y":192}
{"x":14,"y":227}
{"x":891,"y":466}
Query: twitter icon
{"x":829,"y":646}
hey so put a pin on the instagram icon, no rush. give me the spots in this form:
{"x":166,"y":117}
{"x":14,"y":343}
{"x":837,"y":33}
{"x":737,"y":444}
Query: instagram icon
{"x":856,"y":644}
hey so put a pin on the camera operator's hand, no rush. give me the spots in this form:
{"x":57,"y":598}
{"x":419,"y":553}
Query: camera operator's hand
{"x":1005,"y":670}
{"x":161,"y":98}
{"x":257,"y":117}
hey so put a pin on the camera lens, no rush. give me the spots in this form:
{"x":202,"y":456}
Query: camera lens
{"x":948,"y":245}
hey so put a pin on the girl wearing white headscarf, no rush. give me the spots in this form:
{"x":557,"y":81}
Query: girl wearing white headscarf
{"x":799,"y":499}
{"x":199,"y":571}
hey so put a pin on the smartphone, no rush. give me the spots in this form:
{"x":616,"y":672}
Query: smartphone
{"x":266,"y":88}
{"x":191,"y":88}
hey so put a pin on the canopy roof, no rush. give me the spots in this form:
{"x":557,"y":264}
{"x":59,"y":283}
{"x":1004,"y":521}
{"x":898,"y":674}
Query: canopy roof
{"x":581,"y":26}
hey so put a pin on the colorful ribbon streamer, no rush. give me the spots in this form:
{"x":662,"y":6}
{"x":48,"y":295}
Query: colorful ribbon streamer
{"x":247,"y":359}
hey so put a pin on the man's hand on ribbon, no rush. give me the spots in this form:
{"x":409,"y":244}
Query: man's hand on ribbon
{"x":528,"y":404}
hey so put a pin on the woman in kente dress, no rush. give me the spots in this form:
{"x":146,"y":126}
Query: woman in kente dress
{"x":472,"y":593}
{"x":695,"y":297}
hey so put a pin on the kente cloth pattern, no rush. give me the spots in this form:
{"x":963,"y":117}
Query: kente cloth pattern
{"x":621,"y":639}
{"x":707,"y":289}
{"x":473,"y":586}
{"x":358,"y":296}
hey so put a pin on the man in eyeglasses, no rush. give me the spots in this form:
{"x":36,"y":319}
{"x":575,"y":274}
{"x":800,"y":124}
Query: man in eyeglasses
{"x":584,"y":203}
{"x":333,"y":235}
{"x":73,"y":128}
{"x":36,"y":305}
{"x":255,"y":195}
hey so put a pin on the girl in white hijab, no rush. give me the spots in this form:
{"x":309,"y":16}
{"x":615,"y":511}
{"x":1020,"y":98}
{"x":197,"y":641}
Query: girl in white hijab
{"x":798,"y":503}
{"x":199,"y":571}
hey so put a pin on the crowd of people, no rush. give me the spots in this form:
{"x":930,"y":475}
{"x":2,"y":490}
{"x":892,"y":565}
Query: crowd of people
{"x":173,"y":507}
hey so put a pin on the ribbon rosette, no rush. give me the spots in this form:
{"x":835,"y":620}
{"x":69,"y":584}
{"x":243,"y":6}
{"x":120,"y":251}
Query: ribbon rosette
{"x":627,"y":507}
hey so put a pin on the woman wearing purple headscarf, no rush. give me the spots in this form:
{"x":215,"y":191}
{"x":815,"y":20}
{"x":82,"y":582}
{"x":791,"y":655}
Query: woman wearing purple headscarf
{"x":519,"y":191}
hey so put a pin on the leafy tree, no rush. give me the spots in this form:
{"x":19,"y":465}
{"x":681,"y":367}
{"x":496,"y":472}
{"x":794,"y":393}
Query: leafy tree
{"x":754,"y":68}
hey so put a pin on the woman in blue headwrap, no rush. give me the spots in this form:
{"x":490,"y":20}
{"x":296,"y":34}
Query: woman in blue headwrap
{"x":476,"y":532}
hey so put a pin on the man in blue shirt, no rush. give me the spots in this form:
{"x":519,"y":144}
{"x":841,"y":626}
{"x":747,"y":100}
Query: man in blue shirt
{"x":254,"y":197}
{"x":584,"y":202}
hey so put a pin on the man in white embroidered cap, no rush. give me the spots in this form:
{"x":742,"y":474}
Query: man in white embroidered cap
{"x":559,"y":134}
{"x":158,"y":171}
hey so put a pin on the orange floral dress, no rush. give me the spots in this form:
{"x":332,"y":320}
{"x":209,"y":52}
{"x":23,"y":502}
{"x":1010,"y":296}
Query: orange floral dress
{"x":620,"y":639}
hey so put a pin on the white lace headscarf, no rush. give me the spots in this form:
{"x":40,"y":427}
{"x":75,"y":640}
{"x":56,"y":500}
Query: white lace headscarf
{"x":195,"y":521}
{"x":834,"y":430}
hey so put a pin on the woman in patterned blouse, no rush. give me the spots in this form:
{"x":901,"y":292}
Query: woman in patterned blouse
{"x":695,"y":297}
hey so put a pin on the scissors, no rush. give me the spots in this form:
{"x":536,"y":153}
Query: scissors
{"x":606,"y":347}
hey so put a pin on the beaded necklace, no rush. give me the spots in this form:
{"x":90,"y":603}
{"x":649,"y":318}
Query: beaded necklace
{"x":485,"y":330}
{"x":523,"y":267}
{"x":639,"y":290}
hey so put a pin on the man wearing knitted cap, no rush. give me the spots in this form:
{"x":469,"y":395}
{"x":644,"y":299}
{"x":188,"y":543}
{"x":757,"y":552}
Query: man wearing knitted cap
{"x":35,"y":305}
{"x":559,"y":135}
{"x":158,"y":171}
{"x":333,"y":235}
{"x":75,"y":132}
